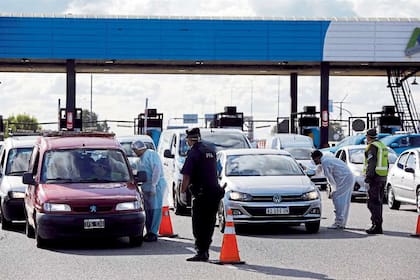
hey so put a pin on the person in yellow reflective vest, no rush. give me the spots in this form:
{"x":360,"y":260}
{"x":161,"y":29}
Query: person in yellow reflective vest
{"x":376,"y":171}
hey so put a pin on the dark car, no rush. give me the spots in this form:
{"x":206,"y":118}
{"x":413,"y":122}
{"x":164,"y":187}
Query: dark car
{"x":81,"y":185}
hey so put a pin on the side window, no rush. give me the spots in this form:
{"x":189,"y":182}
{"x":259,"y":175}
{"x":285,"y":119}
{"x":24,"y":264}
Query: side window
{"x":404,"y":142}
{"x":343,"y":156}
{"x":338,"y":154}
{"x":402,"y":160}
{"x":173,"y":144}
{"x":411,"y":161}
{"x":3,"y":155}
{"x":414,"y":141}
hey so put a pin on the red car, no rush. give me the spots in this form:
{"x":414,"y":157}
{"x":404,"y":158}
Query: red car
{"x":81,"y":185}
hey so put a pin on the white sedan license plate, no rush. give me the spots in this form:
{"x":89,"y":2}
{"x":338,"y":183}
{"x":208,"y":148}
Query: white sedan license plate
{"x":94,"y":223}
{"x":277,"y":211}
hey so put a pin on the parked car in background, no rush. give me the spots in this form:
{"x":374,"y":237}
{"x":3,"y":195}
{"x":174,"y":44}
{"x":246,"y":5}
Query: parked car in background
{"x":14,"y":161}
{"x":354,"y":157}
{"x":81,"y":185}
{"x":402,"y":142}
{"x":126,"y":142}
{"x":266,"y":186}
{"x":300,"y":147}
{"x":173,"y":149}
{"x":358,"y":139}
{"x":403,"y":183}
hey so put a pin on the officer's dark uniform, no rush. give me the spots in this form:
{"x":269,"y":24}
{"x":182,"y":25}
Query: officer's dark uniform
{"x":201,"y":166}
{"x":376,"y":187}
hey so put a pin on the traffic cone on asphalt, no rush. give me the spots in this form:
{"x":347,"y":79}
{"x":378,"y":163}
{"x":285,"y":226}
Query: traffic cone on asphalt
{"x":417,"y":234}
{"x":165,"y":228}
{"x":229,"y":253}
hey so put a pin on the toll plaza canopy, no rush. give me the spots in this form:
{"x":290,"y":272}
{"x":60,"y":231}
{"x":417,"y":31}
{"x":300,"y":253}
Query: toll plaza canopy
{"x":179,"y":45}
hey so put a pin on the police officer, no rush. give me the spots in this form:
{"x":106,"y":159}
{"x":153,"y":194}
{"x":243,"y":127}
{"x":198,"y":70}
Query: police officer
{"x":376,"y":171}
{"x":200,"y":176}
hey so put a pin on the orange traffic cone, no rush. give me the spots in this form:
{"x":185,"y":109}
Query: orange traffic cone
{"x":165,"y":228}
{"x":229,"y":253}
{"x":417,"y":234}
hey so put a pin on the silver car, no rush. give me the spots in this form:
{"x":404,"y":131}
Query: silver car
{"x":354,"y":157}
{"x":264,"y":186}
{"x":403,"y":184}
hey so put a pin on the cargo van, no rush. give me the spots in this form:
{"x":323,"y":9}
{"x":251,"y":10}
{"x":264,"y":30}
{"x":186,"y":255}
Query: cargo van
{"x":173,"y":149}
{"x":301,"y":147}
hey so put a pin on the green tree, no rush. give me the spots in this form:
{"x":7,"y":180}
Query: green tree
{"x":90,"y":122}
{"x":22,"y":123}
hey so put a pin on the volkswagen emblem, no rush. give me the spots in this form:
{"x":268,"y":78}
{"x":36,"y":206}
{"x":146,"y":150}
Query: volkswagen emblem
{"x":276,"y":198}
{"x":92,"y":209}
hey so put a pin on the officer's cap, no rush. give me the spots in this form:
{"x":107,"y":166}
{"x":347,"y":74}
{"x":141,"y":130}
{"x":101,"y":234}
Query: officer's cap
{"x":372,"y":133}
{"x":316,"y":154}
{"x":138,"y":145}
{"x":193,"y":133}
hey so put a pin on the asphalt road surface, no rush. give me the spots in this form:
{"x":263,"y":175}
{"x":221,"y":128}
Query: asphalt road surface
{"x":268,"y":253}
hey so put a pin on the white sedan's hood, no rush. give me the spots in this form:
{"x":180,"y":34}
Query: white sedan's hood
{"x":13,"y":183}
{"x":270,"y":184}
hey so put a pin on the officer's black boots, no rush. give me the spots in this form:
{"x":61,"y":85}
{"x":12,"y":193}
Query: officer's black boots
{"x":199,"y":257}
{"x":374,"y":229}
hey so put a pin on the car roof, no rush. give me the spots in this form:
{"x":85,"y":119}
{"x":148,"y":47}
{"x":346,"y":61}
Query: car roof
{"x":77,"y":140}
{"x":131,"y":138}
{"x":20,"y":142}
{"x":254,"y":151}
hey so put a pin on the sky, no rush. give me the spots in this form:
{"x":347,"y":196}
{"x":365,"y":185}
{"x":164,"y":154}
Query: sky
{"x":123,"y":97}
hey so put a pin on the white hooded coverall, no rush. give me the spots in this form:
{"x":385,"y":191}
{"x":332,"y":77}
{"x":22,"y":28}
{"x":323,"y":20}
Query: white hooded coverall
{"x":341,"y":180}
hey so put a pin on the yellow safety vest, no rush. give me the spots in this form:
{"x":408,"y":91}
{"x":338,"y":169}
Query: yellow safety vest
{"x":381,"y":168}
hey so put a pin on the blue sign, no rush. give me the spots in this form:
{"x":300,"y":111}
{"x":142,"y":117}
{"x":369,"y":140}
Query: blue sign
{"x":190,"y":118}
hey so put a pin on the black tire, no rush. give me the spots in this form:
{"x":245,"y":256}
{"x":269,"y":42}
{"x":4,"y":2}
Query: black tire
{"x":329,"y":191}
{"x":221,"y":218}
{"x":392,"y":202}
{"x":312,"y":227}
{"x":29,"y":230}
{"x":5,"y":224}
{"x":40,"y":242}
{"x":136,"y":241}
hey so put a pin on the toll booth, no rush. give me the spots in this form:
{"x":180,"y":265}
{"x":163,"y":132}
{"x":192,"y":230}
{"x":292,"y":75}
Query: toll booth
{"x":308,"y":124}
{"x":283,"y":125}
{"x":230,"y":118}
{"x":387,"y":120}
{"x":1,"y":128}
{"x":71,"y":121}
{"x":151,"y":123}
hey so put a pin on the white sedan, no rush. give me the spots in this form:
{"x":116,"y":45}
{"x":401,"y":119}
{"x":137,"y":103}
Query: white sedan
{"x":403,"y":185}
{"x":264,"y":186}
{"x":354,"y":157}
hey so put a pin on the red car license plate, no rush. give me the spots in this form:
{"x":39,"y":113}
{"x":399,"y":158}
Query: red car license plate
{"x":94,"y":223}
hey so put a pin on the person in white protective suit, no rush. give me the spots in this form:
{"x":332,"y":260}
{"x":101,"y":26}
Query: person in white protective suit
{"x":341,"y":180}
{"x":153,"y":189}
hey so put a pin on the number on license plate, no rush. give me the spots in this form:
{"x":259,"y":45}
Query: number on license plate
{"x":277,"y":211}
{"x":94,"y":223}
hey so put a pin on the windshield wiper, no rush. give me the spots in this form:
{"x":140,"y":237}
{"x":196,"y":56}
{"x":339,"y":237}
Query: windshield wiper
{"x":62,"y":180}
{"x":96,"y":180}
{"x":12,"y":173}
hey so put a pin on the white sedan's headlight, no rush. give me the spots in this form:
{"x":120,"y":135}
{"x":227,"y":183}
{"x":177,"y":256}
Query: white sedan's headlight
{"x":56,"y":207}
{"x":132,"y":205}
{"x":240,"y":196}
{"x":312,"y":195}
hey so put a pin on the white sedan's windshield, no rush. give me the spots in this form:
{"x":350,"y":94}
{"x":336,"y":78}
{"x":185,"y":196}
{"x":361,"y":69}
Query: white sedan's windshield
{"x":261,"y":165}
